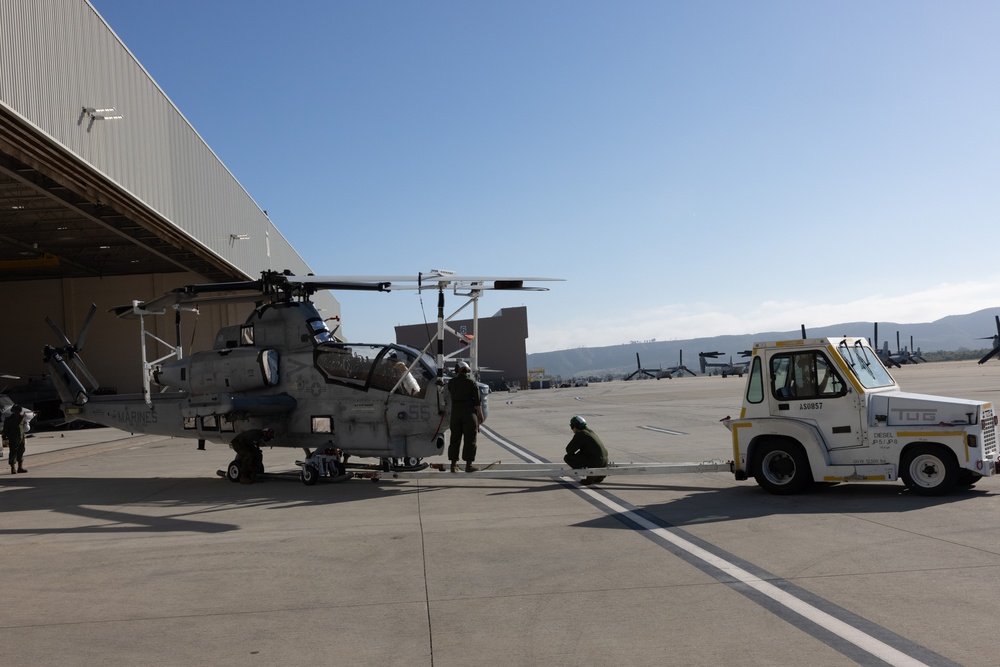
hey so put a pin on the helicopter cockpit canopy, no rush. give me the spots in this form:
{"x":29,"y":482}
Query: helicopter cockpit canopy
{"x":394,"y":368}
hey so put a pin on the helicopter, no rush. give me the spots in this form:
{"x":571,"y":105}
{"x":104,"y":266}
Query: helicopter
{"x":907,"y":355}
{"x":726,"y":369}
{"x":996,"y":343}
{"x":284,"y":370}
{"x":887,"y":358}
{"x":641,"y":372}
{"x":680,"y":369}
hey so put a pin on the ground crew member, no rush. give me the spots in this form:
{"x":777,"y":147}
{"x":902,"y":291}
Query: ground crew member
{"x":13,"y":433}
{"x":585,"y":450}
{"x":247,"y":448}
{"x":466,"y":416}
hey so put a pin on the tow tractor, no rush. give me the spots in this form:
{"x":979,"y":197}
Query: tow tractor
{"x":814,"y":410}
{"x":827,"y":410}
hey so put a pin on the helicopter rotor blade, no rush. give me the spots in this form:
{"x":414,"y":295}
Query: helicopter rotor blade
{"x":86,"y":327}
{"x":989,"y":356}
{"x":59,"y":333}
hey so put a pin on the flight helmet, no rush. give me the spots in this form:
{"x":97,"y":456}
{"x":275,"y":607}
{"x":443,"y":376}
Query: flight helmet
{"x":578,"y":422}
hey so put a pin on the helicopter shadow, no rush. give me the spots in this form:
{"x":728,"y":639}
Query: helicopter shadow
{"x":96,"y":505}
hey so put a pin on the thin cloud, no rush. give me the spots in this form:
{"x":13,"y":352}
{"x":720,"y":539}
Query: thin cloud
{"x":701,"y":320}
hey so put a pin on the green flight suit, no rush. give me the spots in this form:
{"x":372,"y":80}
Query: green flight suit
{"x":465,"y":402}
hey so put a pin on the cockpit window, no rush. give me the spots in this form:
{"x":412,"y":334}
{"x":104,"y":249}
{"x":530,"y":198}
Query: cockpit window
{"x":320,"y":334}
{"x":399,"y":370}
{"x":386,"y":368}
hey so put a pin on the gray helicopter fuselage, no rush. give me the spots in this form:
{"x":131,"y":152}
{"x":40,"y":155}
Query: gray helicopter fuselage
{"x":283,"y":370}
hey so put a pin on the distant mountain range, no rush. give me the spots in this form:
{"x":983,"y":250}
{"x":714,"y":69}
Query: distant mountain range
{"x":952,"y":333}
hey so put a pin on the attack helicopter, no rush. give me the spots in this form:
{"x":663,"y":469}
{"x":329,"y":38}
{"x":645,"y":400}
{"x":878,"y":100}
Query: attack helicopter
{"x":283,"y":369}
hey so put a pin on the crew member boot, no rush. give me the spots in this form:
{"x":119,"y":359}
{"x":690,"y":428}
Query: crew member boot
{"x":20,"y":469}
{"x":13,"y":470}
{"x":470,"y":468}
{"x":454,"y":466}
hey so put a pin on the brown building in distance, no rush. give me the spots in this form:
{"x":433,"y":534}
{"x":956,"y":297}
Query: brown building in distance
{"x":503,"y":356}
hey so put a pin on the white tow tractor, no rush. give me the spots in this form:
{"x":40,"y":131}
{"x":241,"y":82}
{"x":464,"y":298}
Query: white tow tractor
{"x":827,"y":410}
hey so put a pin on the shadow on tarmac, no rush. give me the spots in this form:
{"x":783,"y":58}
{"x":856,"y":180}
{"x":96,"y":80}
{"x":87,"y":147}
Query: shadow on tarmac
{"x":700,"y":505}
{"x":164,"y":505}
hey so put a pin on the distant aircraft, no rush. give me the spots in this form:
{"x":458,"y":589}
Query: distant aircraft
{"x":996,"y":343}
{"x":655,"y":373}
{"x":904,"y":355}
{"x":884,"y":355}
{"x":725,"y":368}
{"x":680,"y":369}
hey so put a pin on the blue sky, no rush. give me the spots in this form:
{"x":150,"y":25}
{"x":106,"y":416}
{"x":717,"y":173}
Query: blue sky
{"x":689,"y":168}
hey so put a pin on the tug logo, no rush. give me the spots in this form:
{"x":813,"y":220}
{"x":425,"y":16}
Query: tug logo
{"x":926,"y":415}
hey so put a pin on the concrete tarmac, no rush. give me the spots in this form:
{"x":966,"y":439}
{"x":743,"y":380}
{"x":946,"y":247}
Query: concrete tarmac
{"x":129,"y":550}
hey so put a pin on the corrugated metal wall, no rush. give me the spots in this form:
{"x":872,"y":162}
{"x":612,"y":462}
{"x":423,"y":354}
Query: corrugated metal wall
{"x":58,"y":57}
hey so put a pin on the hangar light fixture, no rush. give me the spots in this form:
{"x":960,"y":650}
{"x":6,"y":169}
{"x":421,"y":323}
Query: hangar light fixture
{"x":103,"y":114}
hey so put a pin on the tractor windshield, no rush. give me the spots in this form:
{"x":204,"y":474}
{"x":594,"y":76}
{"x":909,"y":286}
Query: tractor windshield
{"x":865,"y":365}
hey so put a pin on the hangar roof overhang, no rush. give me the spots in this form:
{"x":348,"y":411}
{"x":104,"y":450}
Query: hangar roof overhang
{"x":60,"y":218}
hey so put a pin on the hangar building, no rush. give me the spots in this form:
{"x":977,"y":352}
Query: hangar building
{"x":502,"y":349}
{"x":109,"y":195}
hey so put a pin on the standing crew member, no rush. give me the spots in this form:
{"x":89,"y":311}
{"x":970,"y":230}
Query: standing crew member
{"x":247,"y":448}
{"x":585,"y":450}
{"x":466,"y":416}
{"x":13,"y":432}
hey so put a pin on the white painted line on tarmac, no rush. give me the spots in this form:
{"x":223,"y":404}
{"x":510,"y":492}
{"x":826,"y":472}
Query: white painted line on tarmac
{"x":845,"y":631}
{"x":860,"y":639}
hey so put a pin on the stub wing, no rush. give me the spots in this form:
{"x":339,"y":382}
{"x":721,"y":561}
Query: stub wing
{"x":202,"y":405}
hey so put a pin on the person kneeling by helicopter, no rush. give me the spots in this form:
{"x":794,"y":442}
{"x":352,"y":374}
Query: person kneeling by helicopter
{"x":585,"y":450}
{"x":247,"y":448}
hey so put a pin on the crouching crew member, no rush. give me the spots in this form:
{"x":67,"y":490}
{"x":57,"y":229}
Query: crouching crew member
{"x":585,"y":450}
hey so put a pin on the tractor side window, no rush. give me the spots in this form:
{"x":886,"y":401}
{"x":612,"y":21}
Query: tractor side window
{"x":755,"y":386}
{"x":804,"y":375}
{"x":781,"y":379}
{"x":828,"y":381}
